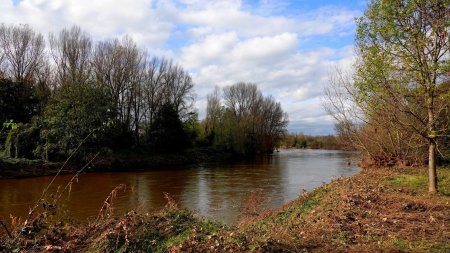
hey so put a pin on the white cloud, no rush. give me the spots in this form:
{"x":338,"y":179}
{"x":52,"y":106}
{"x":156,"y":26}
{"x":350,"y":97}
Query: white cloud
{"x":212,"y":49}
{"x":262,"y":48}
{"x":101,"y":18}
{"x":229,"y":50}
{"x":294,"y":78}
{"x":229,"y":16}
{"x":219,"y":19}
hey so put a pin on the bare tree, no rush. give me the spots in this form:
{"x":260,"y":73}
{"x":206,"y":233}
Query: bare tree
{"x":117,"y":67}
{"x":248,"y":123}
{"x":242,"y":98}
{"x":373,"y":132}
{"x":178,"y":88}
{"x":167,"y":83}
{"x":213,"y":110}
{"x":340,"y":102}
{"x":72,"y":51}
{"x":273,"y":123}
{"x":153,"y":87}
{"x":136,"y":97}
{"x":139,"y":87}
{"x":23,"y":50}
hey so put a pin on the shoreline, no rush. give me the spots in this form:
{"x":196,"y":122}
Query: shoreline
{"x":123,"y":162}
{"x":128,"y":162}
{"x":374,"y":210}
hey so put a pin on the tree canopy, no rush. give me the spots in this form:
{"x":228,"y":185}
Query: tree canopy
{"x":399,"y":86}
{"x":247,"y":122}
{"x":111,"y":95}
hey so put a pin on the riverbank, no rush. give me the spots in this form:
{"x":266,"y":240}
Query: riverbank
{"x":376,"y":210}
{"x":126,"y":160}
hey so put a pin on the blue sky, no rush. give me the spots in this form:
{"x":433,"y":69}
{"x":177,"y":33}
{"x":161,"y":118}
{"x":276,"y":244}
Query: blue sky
{"x":287,"y":47}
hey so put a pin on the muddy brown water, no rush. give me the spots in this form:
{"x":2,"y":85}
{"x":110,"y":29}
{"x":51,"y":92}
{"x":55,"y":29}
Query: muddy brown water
{"x":212,"y":190}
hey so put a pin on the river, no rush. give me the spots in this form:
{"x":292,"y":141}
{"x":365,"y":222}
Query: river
{"x":212,"y":190}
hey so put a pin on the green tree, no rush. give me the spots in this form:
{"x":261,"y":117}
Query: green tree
{"x":403,"y":48}
{"x":192,"y":129}
{"x":248,"y":123}
{"x":18,"y":101}
{"x":21,"y":141}
{"x":229,"y":133}
{"x":167,"y":133}
{"x":76,"y":112}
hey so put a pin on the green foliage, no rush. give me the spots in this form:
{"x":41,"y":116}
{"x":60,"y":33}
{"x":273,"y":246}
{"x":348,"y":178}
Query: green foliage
{"x":75,"y":112}
{"x":193,"y":130}
{"x":228,"y":135}
{"x":167,"y":132}
{"x":10,"y":124}
{"x":388,"y":36}
{"x":108,"y":96}
{"x":248,"y":124}
{"x":400,"y":80}
{"x":21,"y":141}
{"x":18,"y":101}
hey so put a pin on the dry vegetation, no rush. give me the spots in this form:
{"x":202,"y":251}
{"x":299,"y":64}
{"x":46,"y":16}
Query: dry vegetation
{"x":377,"y":210}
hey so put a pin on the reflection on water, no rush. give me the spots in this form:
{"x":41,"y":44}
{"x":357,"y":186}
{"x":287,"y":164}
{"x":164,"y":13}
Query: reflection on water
{"x":211,"y":190}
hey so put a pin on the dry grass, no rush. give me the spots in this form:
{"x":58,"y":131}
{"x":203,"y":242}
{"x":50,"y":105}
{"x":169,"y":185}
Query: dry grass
{"x":382,"y":210}
{"x":367,"y":212}
{"x":107,"y":209}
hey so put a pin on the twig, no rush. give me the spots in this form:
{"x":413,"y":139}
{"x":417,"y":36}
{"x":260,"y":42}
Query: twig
{"x":108,"y":203}
{"x":6,"y":229}
{"x":57,"y":174}
{"x":76,"y":176}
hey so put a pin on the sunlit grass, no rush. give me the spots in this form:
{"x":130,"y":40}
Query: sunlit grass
{"x":419,"y":181}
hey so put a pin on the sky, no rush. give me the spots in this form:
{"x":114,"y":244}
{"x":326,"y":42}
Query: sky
{"x":288,"y":48}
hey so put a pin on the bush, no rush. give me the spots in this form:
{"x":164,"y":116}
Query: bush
{"x":76,"y":111}
{"x":18,"y":101}
{"x":22,"y":141}
{"x":167,"y":134}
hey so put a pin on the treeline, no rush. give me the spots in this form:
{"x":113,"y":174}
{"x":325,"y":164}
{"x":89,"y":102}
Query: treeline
{"x":242,"y":120}
{"x":69,"y":93}
{"x":303,"y":141}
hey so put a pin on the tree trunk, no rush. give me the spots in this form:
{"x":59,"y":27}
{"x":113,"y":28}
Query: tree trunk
{"x":432,"y":176}
{"x":136,"y":131}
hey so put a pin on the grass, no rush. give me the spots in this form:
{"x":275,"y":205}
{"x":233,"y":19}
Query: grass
{"x":378,"y":210}
{"x":415,"y":181}
{"x":418,"y":180}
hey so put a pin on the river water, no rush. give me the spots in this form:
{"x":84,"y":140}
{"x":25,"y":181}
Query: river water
{"x":212,"y":190}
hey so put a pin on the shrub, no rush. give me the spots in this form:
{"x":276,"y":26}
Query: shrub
{"x":22,"y":141}
{"x":78,"y":112}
